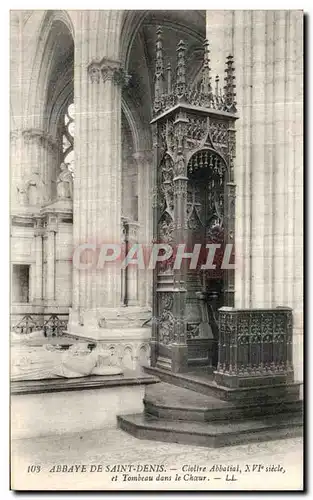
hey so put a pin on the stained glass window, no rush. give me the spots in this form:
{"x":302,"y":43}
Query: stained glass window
{"x":68,"y":137}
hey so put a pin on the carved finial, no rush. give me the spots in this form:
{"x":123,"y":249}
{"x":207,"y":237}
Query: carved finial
{"x":229,"y":88}
{"x":181,"y":70}
{"x":217,"y":79}
{"x":169,"y":78}
{"x":206,"y":54}
{"x":159,"y":70}
{"x":206,"y":78}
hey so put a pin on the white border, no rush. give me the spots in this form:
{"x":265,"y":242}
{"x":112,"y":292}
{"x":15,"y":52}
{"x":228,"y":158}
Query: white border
{"x":4,"y":198}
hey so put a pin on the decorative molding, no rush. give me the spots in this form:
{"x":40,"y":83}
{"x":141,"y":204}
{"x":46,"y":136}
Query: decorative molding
{"x":14,"y":135}
{"x":38,"y":227}
{"x":51,"y":222}
{"x":255,"y":342}
{"x":33,"y":135}
{"x":198,"y":92}
{"x":108,"y":69}
{"x":129,"y":229}
{"x":26,"y":15}
{"x":21,"y":220}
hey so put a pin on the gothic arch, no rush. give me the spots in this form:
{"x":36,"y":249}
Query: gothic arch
{"x":132,"y":124}
{"x":177,"y":20}
{"x":141,"y":136}
{"x":55,"y":109}
{"x":137,"y":44}
{"x":50,"y":48}
{"x":131,"y":23}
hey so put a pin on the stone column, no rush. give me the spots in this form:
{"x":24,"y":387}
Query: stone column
{"x":132,"y":271}
{"x":16,"y":104}
{"x":124,"y":240}
{"x":51,"y":229}
{"x":268,"y":159}
{"x":279,"y":160}
{"x":144,"y":165}
{"x":97,"y":183}
{"x":16,"y":177}
{"x":239,"y":170}
{"x":37,"y":284}
{"x":242,"y":43}
{"x":268,"y":51}
{"x":258,"y":194}
{"x":290,"y":103}
{"x":297,"y":22}
{"x":40,"y":154}
{"x":99,"y":197}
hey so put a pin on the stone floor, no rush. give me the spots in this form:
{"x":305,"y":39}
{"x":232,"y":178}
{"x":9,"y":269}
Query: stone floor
{"x":111,"y":447}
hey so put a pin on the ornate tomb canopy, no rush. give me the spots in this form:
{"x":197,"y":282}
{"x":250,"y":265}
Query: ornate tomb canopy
{"x":194,"y":198}
{"x":170,"y":92}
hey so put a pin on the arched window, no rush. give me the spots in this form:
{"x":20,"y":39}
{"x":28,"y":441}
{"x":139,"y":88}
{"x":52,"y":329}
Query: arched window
{"x":68,"y":137}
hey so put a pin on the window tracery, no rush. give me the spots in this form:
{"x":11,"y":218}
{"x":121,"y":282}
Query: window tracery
{"x":68,"y":156}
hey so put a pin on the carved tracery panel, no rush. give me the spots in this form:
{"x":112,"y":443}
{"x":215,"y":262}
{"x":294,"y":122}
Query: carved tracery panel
{"x":194,"y":137}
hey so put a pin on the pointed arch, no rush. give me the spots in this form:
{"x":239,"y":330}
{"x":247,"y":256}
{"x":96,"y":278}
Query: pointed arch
{"x":55,"y":40}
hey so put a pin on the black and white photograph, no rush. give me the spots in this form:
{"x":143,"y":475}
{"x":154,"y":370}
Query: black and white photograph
{"x":156,"y":250}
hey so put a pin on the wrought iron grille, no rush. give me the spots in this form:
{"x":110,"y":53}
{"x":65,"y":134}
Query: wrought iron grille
{"x":53,"y":326}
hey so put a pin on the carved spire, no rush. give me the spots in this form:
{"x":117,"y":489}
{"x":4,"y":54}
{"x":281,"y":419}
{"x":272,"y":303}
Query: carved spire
{"x":173,"y":87}
{"x":217,"y":79}
{"x":159,"y":70}
{"x":169,"y":78}
{"x":229,"y":88}
{"x":181,"y":70}
{"x":206,"y":78}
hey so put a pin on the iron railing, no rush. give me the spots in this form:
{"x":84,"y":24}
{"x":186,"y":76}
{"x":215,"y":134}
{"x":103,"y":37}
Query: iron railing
{"x":52,"y":325}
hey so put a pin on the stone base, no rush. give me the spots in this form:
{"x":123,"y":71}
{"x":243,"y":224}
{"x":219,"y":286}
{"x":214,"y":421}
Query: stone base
{"x":236,"y":381}
{"x":173,"y":358}
{"x":186,"y":416}
{"x":120,"y":331}
{"x":179,"y":358}
{"x":200,"y":380}
{"x":202,"y":352}
{"x":212,"y":435}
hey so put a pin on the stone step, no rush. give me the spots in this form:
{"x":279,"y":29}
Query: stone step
{"x":170,"y":402}
{"x":211,"y":435}
{"x":164,"y":363}
{"x":202,"y":382}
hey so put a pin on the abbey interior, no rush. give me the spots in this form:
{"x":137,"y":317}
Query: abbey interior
{"x":137,"y":127}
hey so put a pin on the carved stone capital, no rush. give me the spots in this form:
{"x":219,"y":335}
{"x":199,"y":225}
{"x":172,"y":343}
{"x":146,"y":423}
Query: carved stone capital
{"x":94,"y":72}
{"x":51,"y":223}
{"x":43,"y":139}
{"x":130,"y":230}
{"x":231,"y":187}
{"x":180,"y":186}
{"x":107,"y":69}
{"x":133,"y":228}
{"x":38,"y":227}
{"x":180,"y":168}
{"x":14,"y":134}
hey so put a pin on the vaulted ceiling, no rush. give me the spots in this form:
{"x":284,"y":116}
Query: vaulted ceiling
{"x":188,"y":26}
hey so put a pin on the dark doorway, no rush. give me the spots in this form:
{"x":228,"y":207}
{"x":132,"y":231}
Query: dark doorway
{"x":20,"y":283}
